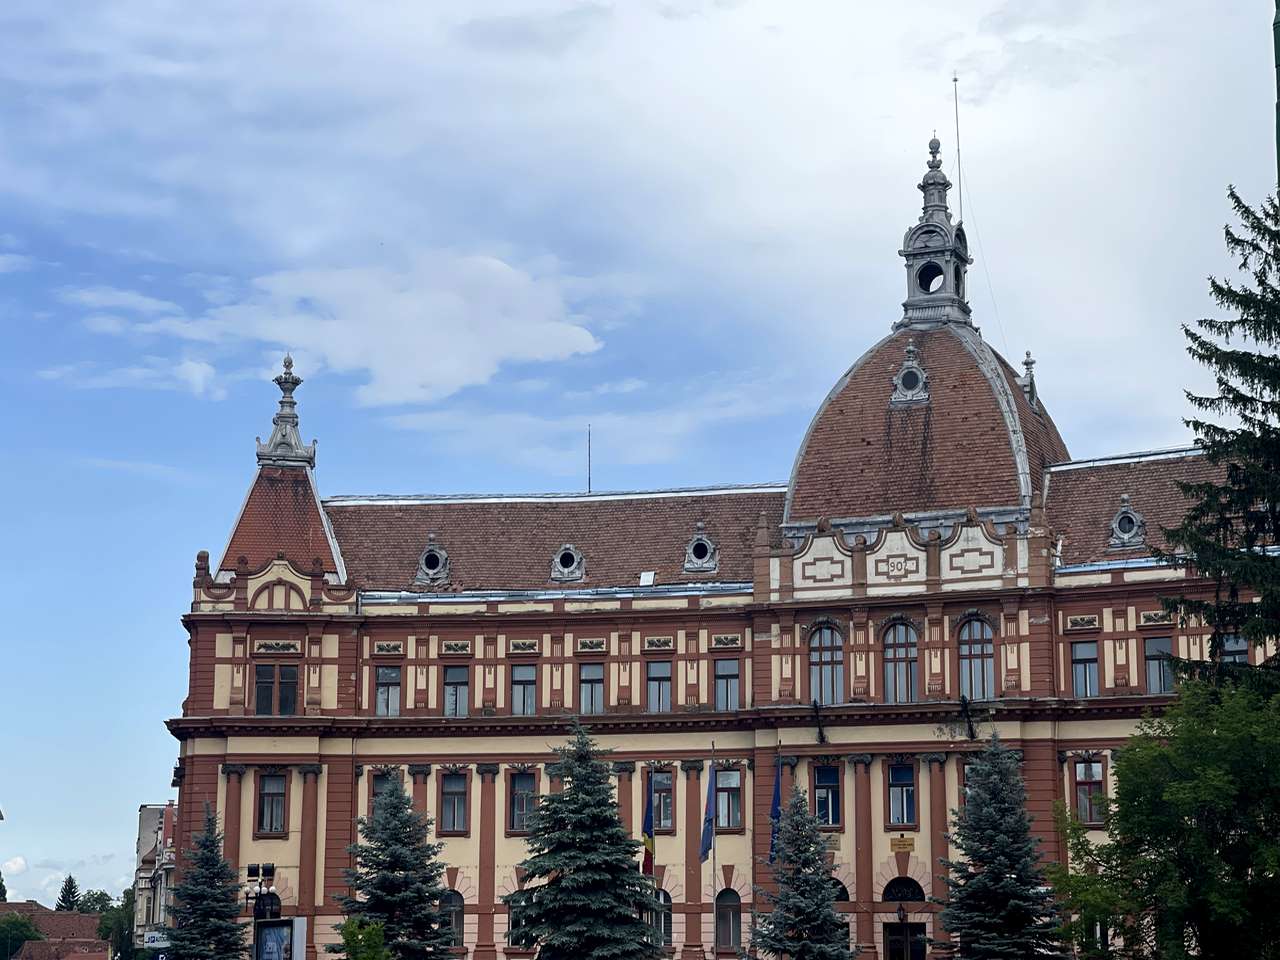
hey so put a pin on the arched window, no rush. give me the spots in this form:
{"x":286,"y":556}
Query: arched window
{"x":728,"y":920}
{"x":826,"y":665}
{"x":904,"y":890}
{"x":977,"y":661}
{"x":451,"y":906}
{"x":660,"y":919}
{"x":900,"y":664}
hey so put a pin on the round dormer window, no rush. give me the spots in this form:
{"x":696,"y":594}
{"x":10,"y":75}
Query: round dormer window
{"x":910,"y":380}
{"x":1126,"y":524}
{"x":567,"y":563}
{"x":700,"y":550}
{"x":700,"y":554}
{"x":433,"y":564}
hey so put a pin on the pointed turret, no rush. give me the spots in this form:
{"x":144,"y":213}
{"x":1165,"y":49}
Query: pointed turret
{"x":937,"y":255}
{"x":284,"y":447}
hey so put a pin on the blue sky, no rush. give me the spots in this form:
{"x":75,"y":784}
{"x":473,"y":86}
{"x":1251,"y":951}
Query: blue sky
{"x":479,"y":228}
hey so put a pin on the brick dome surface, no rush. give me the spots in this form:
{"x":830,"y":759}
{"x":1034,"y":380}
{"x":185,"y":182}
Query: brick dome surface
{"x":976,"y":441}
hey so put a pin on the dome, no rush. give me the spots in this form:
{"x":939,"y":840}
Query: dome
{"x":930,"y":419}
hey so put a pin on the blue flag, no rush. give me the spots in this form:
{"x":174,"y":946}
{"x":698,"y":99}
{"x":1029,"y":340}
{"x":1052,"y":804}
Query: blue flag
{"x":775,"y":812}
{"x":709,"y":816}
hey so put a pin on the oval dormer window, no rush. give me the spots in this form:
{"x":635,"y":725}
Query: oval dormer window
{"x":700,"y":553}
{"x":433,"y":565}
{"x":567,"y":564}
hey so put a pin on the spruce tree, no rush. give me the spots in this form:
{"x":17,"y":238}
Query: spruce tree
{"x":396,"y":879}
{"x":206,"y":907}
{"x":998,"y":906}
{"x":69,"y":895}
{"x":4,"y":893}
{"x":584,"y":898}
{"x":1235,"y":514}
{"x":803,"y":924}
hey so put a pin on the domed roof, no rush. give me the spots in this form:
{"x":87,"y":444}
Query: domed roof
{"x":929,"y":419}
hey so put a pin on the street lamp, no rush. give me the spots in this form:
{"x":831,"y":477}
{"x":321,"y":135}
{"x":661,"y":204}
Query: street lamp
{"x":261,"y":893}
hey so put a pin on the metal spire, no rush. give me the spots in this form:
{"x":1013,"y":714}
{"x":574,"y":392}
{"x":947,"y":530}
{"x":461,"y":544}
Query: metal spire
{"x":284,"y":447}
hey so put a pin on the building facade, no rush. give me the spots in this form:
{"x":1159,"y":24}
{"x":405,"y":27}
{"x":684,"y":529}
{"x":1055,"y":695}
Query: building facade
{"x":934,"y":541}
{"x":153,"y":873}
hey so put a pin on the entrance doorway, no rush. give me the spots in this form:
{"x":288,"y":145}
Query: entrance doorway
{"x":904,"y":941}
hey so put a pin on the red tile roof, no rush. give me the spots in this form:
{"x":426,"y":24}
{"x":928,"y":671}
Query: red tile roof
{"x":865,"y":457}
{"x":1082,"y":499}
{"x":281,"y":515}
{"x":81,"y":949}
{"x":65,"y":925}
{"x":507,"y":543}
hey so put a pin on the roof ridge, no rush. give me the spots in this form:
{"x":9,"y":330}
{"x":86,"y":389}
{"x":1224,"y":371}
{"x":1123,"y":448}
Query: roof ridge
{"x":1163,"y":453}
{"x":392,"y":499}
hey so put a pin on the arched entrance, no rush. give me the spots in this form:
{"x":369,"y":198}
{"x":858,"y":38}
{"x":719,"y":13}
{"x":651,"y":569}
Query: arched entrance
{"x":904,"y":940}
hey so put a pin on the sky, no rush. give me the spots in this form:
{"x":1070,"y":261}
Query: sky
{"x":480,"y":227}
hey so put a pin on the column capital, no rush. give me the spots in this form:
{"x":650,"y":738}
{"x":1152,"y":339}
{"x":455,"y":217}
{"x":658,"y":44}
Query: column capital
{"x":938,"y":758}
{"x":691,"y":766}
{"x":487,"y":769}
{"x":235,"y":769}
{"x":419,"y":769}
{"x":624,"y":766}
{"x":791,"y":762}
{"x":860,"y":758}
{"x":311,"y":769}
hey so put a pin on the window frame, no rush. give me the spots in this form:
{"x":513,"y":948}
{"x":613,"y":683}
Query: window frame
{"x":602,"y":683}
{"x":650,"y":682}
{"x":729,"y":792}
{"x":459,"y":929}
{"x":660,"y":919}
{"x":837,"y":825}
{"x":826,"y":663}
{"x":1100,"y":784}
{"x":526,"y":688}
{"x":669,"y":830}
{"x":912,"y":764}
{"x":466,"y":803}
{"x":1085,"y":662}
{"x":1153,"y":662}
{"x":511,"y":829}
{"x":985,"y":659}
{"x":392,"y":709}
{"x":371,"y":797}
{"x":286,"y":774}
{"x":736,"y":688}
{"x":733,"y":910}
{"x":910,"y":661}
{"x":1240,"y":654}
{"x":277,"y":684}
{"x":446,"y":686}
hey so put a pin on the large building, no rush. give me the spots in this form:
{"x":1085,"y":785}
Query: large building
{"x":934,"y":541}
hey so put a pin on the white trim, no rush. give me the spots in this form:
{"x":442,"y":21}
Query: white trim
{"x":375,"y":597}
{"x":1168,"y":453}
{"x":222,"y":564}
{"x":334,"y":549}
{"x":394,"y":500}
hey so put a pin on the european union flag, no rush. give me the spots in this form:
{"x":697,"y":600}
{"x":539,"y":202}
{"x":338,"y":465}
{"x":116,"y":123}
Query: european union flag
{"x":775,"y":811}
{"x":709,"y":816}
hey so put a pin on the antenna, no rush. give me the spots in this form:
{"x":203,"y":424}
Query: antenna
{"x":588,"y":458}
{"x":955,"y":99}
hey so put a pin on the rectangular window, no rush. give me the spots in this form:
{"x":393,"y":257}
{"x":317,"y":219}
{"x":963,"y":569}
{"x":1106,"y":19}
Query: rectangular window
{"x":271,"y":803}
{"x":457,"y":687}
{"x":275,"y":690}
{"x":453,"y":803}
{"x":1084,"y":669}
{"x":387,"y":693}
{"x":902,"y":794}
{"x":826,"y":795}
{"x":524,"y":690}
{"x":1235,"y":649}
{"x":381,"y":784}
{"x":1159,"y":670}
{"x":662,"y":783}
{"x":728,"y":799}
{"x":658,"y":674}
{"x":1089,"y":791}
{"x":591,"y":688}
{"x":727,"y":685}
{"x":523,"y":796}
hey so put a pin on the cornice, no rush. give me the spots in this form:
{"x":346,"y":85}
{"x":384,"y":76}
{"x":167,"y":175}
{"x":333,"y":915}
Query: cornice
{"x":762,"y":718}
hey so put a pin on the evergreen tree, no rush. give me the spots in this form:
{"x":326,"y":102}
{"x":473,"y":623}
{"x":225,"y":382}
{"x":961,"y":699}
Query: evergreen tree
{"x":69,"y":895}
{"x":998,"y":906}
{"x":1235,"y":516}
{"x":363,"y":940}
{"x":4,"y":893}
{"x":206,"y":906}
{"x":803,"y":924}
{"x":116,"y":926}
{"x":396,"y":879}
{"x":584,"y":898}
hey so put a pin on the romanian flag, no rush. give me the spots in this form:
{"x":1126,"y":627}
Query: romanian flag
{"x":646,"y":834}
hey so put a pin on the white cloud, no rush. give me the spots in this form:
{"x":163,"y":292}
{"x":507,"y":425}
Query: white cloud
{"x":15,"y":262}
{"x":148,"y":373}
{"x":112,"y":298}
{"x":14,"y":866}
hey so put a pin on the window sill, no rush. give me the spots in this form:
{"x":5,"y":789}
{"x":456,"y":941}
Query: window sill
{"x":453,"y":833}
{"x":831,"y":827}
{"x":517,"y":833}
{"x":257,"y":835}
{"x":902,"y":828}
{"x":729,"y":830}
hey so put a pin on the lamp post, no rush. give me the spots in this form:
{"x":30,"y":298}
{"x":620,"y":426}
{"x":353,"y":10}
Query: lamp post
{"x":261,"y":895}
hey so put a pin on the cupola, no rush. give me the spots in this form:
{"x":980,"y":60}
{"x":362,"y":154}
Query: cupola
{"x":937,"y":257}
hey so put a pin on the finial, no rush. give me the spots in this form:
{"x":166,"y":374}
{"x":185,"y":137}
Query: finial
{"x":1028,"y":364}
{"x":284,"y":446}
{"x":934,"y":146}
{"x":912,"y":353}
